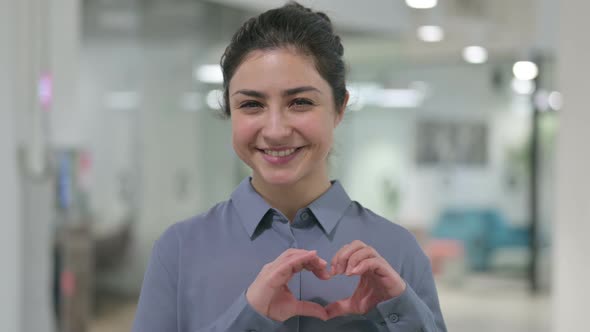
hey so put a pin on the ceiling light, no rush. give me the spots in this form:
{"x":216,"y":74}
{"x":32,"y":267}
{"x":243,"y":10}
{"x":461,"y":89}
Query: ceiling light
{"x":214,"y":98}
{"x":430,"y":33}
{"x":523,"y":87}
{"x":372,"y":94}
{"x":525,"y":70}
{"x":475,"y":54}
{"x":555,"y":100}
{"x":399,"y":98}
{"x":209,"y":74}
{"x":421,"y":4}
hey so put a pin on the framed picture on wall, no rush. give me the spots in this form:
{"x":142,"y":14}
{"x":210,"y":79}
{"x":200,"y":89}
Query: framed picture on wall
{"x":442,"y":142}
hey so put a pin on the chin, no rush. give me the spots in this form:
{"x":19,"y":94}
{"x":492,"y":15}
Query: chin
{"x":279,"y":179}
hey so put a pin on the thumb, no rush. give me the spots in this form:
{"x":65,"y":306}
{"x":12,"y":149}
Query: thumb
{"x":311,"y":309}
{"x":339,"y":308}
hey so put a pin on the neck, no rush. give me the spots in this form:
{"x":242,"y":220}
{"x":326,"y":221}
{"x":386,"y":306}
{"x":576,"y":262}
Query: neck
{"x":289,"y":198}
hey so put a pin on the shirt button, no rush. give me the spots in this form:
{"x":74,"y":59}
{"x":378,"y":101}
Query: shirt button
{"x":393,"y":318}
{"x":304,"y":215}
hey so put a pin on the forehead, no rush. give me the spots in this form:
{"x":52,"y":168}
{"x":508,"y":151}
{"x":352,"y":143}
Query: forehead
{"x":276,"y":69}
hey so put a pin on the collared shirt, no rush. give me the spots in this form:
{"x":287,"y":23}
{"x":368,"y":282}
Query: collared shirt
{"x":200,"y":268}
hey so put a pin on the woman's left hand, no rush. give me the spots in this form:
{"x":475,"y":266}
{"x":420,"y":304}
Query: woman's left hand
{"x":379,"y":281}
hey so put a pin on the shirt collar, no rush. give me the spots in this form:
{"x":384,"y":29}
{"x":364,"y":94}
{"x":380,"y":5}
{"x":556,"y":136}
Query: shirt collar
{"x":251,"y":207}
{"x":331,"y":206}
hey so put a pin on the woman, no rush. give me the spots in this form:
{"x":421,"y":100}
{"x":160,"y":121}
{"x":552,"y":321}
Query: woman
{"x":289,"y":251}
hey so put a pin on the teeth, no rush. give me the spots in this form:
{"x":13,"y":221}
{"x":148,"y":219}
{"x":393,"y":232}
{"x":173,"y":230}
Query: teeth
{"x":281,"y":153}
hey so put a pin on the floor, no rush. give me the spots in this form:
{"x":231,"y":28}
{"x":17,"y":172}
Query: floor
{"x":117,"y":316}
{"x":481,"y":303}
{"x":491,"y":304}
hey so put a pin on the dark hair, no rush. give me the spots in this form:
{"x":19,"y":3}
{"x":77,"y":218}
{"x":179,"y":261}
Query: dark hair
{"x":291,"y":25}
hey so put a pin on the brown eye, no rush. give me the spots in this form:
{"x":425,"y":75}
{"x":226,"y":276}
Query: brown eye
{"x":250,"y":104}
{"x":301,"y":103}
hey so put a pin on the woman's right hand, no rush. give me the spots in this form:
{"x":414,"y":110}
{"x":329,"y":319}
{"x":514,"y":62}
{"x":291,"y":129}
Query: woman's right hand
{"x":269,"y":294}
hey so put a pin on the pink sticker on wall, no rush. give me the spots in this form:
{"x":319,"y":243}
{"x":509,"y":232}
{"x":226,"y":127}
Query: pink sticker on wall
{"x":45,"y":91}
{"x":68,"y":283}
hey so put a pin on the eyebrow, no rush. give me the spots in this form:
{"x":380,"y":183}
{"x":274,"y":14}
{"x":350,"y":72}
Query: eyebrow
{"x":250,"y":93}
{"x":288,"y":92}
{"x":300,"y":89}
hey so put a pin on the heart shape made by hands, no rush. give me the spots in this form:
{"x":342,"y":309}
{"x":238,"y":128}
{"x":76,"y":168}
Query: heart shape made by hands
{"x":270,"y":295}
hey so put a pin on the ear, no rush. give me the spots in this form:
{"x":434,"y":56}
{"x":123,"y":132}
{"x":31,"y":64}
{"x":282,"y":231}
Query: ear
{"x":340,"y":113}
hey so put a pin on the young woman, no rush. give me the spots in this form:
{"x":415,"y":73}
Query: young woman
{"x":289,"y":250}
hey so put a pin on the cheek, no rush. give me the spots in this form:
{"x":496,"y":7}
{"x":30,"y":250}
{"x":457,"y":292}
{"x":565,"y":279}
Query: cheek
{"x":242,"y":132}
{"x":320,"y":131}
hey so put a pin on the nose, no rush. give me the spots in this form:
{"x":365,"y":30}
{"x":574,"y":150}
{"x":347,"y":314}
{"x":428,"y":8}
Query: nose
{"x":277,"y":128}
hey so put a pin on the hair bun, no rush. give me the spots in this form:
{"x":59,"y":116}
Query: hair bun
{"x":325,"y":17}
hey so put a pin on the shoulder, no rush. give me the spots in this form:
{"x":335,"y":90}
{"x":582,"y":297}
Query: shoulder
{"x":380,"y":225}
{"x":194,"y":227}
{"x":186,"y":236}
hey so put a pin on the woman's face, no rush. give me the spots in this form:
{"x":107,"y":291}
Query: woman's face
{"x":283,"y":117}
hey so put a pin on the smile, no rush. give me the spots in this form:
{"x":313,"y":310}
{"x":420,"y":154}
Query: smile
{"x":280,"y":157}
{"x":281,"y":153}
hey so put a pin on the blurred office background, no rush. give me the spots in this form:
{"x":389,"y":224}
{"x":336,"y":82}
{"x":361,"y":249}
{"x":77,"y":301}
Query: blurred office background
{"x":466,"y":125}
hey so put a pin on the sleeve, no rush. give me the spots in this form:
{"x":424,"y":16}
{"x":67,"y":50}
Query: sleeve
{"x":156,"y":310}
{"x":241,"y":316}
{"x":157,"y":307}
{"x":416,"y":309}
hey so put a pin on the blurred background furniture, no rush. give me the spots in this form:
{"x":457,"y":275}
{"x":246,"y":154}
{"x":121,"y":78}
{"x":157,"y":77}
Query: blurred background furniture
{"x":482,"y":232}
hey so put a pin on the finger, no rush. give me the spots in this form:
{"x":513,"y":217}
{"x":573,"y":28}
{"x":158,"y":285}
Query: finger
{"x":279,"y":272}
{"x":318,"y":268}
{"x":311,"y":309}
{"x":344,"y":254}
{"x":335,"y":259}
{"x":294,"y":264}
{"x":378,"y":266}
{"x":391,"y":283}
{"x":290,"y":253}
{"x":357,"y":257}
{"x":285,"y":255}
{"x":340,"y":308}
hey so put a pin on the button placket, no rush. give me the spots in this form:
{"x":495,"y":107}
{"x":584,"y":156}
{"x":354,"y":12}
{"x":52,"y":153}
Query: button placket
{"x":283,"y":228}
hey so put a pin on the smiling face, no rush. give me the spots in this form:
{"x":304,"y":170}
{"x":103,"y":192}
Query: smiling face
{"x":283,"y":118}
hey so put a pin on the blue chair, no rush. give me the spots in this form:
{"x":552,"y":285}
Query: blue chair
{"x":482,"y":231}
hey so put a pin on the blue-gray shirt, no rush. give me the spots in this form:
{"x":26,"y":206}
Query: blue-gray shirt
{"x":200,"y":268}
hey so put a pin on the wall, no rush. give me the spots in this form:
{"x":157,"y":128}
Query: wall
{"x":10,"y":237}
{"x":177,"y":160}
{"x":380,"y":144}
{"x":572,"y":214}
